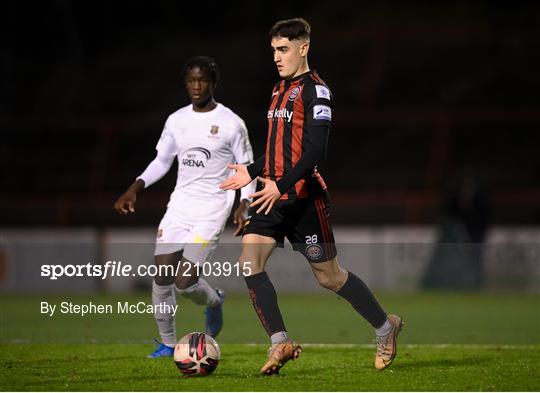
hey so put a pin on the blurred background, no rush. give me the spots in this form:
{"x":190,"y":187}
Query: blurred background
{"x":435,"y":136}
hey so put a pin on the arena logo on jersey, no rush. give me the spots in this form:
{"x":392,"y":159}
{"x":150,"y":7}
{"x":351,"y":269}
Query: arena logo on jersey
{"x":196,"y":157}
{"x":280,"y":113}
{"x":322,"y":112}
{"x":322,"y":92}
{"x":294,"y":93}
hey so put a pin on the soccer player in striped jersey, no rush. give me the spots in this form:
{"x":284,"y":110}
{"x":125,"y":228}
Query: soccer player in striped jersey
{"x":204,"y":137}
{"x":293,"y":201}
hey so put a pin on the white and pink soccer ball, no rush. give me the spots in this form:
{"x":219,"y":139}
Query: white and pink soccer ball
{"x":197,"y":354}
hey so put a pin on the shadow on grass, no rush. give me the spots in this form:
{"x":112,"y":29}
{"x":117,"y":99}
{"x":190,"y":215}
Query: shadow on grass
{"x":410,"y":363}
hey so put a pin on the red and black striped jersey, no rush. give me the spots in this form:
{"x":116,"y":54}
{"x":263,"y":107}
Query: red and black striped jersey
{"x":297,"y":105}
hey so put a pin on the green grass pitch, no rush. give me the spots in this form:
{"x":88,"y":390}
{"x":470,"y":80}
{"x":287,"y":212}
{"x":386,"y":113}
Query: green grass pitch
{"x":450,"y":342}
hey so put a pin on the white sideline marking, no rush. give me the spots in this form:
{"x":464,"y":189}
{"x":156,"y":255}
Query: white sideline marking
{"x":411,"y":346}
{"x":312,"y":345}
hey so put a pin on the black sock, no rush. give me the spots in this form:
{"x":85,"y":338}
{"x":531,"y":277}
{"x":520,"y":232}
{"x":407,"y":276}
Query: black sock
{"x":264,"y":299}
{"x":358,"y":294}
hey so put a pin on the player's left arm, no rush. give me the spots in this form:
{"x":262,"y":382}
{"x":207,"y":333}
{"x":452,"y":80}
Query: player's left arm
{"x":318,"y":112}
{"x":315,"y":152}
{"x":243,"y":154}
{"x":272,"y":190}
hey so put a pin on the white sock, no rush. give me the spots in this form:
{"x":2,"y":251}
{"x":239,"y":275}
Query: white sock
{"x":165,"y":321}
{"x":279,"y":337}
{"x":385,"y":329}
{"x":201,"y":293}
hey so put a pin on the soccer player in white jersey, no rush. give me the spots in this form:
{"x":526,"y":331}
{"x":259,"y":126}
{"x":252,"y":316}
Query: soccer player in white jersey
{"x":204,"y":137}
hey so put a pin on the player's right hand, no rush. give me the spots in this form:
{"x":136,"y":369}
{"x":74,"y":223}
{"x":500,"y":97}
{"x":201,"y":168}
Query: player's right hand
{"x":127,"y":199}
{"x":240,"y":179}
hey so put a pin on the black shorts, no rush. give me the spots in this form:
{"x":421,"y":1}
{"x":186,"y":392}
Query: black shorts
{"x":304,"y":222}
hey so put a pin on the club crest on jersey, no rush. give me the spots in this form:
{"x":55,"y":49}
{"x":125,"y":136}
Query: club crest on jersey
{"x":214,"y":130}
{"x":294,"y":93}
{"x":195,"y":157}
{"x":159,"y":233}
{"x":314,"y":251}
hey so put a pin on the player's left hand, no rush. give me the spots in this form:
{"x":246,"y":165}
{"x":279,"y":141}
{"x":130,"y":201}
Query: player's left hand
{"x":267,"y":197}
{"x":240,"y":216}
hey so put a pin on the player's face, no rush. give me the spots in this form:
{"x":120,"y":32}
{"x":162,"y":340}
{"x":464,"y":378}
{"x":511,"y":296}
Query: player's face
{"x":199,"y":86}
{"x":289,"y":56}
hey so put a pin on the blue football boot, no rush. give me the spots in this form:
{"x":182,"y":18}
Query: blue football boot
{"x":161,"y":351}
{"x":214,"y":316}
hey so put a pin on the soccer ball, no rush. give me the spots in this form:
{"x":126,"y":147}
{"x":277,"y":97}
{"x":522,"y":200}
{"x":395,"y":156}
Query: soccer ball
{"x":197,"y":354}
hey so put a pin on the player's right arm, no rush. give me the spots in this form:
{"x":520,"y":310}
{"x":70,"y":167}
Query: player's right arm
{"x":166,"y":152}
{"x":244,"y":174}
{"x":126,"y":202}
{"x":257,"y":167}
{"x":153,"y":172}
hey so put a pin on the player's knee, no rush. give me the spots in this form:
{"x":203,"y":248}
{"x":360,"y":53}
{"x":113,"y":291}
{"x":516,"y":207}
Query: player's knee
{"x":327,"y":281}
{"x":163,"y":280}
{"x":184,"y":282}
{"x":250,"y":265}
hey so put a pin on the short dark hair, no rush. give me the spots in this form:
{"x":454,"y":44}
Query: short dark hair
{"x":293,"y":29}
{"x":206,"y":64}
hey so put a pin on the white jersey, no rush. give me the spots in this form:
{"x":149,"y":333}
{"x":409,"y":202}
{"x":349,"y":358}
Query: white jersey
{"x":204,"y":143}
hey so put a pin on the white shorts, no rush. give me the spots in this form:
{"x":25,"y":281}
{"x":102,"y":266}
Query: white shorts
{"x":198,"y":240}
